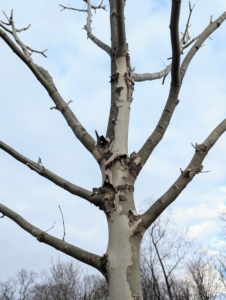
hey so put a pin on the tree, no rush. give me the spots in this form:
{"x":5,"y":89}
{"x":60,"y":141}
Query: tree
{"x":205,"y":276}
{"x":65,"y":280}
{"x":120,"y":264}
{"x":162,"y":257}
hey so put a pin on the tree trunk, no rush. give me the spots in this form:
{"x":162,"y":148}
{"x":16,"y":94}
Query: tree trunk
{"x":123,"y":252}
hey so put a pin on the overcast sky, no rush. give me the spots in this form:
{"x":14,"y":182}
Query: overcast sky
{"x":81,"y":73}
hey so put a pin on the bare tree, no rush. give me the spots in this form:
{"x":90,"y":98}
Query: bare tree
{"x":120,"y":264}
{"x":205,"y":276}
{"x":8,"y":289}
{"x":19,"y":288}
{"x":64,"y":281}
{"x":163,"y":256}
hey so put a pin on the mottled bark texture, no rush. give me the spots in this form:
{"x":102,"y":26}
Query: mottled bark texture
{"x":115,"y":197}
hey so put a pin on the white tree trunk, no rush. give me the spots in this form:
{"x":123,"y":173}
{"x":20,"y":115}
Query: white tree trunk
{"x":123,"y":254}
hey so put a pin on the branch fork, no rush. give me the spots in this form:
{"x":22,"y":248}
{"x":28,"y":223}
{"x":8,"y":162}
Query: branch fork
{"x":14,"y":31}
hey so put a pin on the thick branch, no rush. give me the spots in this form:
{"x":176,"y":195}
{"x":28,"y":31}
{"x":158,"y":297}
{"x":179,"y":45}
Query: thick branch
{"x":45,"y":79}
{"x":172,"y":101}
{"x":122,"y":48}
{"x":152,"y":76}
{"x":41,"y":170}
{"x":194,"y":167}
{"x":43,"y":237}
{"x":114,"y":44}
{"x":175,"y":41}
{"x":201,"y":38}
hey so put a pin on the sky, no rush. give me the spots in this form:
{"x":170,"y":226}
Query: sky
{"x":81,"y":71}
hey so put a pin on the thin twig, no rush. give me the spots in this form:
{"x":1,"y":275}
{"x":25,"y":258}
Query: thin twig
{"x":50,"y":227}
{"x":63,"y":222}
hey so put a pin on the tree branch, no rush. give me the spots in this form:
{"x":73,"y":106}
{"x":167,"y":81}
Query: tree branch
{"x":43,"y":237}
{"x":200,"y":39}
{"x":114,"y":78}
{"x":175,"y":41}
{"x":194,"y":167}
{"x":41,"y":170}
{"x":151,"y":76}
{"x":46,"y":80}
{"x":87,"y":27}
{"x":122,"y":48}
{"x":172,"y":100}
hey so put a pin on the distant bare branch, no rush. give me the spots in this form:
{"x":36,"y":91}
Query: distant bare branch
{"x":43,"y":237}
{"x":184,"y":179}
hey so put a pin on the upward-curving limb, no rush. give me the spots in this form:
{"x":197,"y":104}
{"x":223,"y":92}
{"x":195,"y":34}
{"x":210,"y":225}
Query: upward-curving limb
{"x":46,"y":80}
{"x":172,"y":100}
{"x":200,"y":39}
{"x":194,"y":167}
{"x":43,"y":237}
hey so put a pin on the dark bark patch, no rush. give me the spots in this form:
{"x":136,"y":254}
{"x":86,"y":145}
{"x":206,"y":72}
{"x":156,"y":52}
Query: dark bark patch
{"x":133,"y":218}
{"x":106,"y":193}
{"x":186,"y":173}
{"x":134,"y":167}
{"x":122,"y":198}
{"x":103,"y":263}
{"x":41,"y":236}
{"x":114,"y":78}
{"x":203,"y":148}
{"x":101,"y":140}
{"x":118,"y":90}
{"x":125,"y":188}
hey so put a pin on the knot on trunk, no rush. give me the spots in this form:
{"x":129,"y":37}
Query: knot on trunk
{"x":103,"y":264}
{"x":135,"y":164}
{"x":103,"y":194}
{"x":133,"y":218}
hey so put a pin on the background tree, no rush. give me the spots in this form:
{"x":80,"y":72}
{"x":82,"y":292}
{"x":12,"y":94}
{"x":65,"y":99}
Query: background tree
{"x":163,"y":256}
{"x":64,"y":280}
{"x":119,"y":170}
